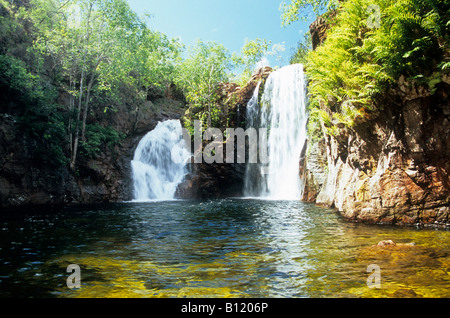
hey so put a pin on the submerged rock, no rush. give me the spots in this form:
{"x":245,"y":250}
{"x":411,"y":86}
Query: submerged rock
{"x":405,"y":293}
{"x":387,"y":243}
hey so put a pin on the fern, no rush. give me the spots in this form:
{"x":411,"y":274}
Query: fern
{"x":355,"y":63}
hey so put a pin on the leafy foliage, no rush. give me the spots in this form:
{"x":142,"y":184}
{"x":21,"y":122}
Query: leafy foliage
{"x":62,"y":61}
{"x":297,"y":9}
{"x":358,"y":60}
{"x":207,"y":64}
{"x":98,"y":137}
{"x":252,"y":52}
{"x":81,"y":50}
{"x":36,"y":110}
{"x":303,"y":48}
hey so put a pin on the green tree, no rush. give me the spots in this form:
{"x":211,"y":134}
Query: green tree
{"x":82,"y":52}
{"x":99,"y":46}
{"x":141,"y":58}
{"x":25,"y":93}
{"x":304,"y":47}
{"x":251,"y":53}
{"x":207,"y":64}
{"x":298,"y":9}
{"x":73,"y":40}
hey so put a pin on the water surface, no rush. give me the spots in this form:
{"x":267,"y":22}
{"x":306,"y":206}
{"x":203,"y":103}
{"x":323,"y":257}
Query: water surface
{"x":219,"y":248}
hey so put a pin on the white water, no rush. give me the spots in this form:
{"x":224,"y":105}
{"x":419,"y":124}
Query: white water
{"x":254,"y":184}
{"x":155,"y":174}
{"x":283,"y":111}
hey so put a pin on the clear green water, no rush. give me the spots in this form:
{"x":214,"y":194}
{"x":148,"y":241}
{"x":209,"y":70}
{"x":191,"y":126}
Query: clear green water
{"x":220,"y":248}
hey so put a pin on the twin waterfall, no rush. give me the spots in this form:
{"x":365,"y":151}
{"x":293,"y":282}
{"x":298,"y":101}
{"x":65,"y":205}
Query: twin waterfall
{"x":155,"y":175}
{"x":282,"y":111}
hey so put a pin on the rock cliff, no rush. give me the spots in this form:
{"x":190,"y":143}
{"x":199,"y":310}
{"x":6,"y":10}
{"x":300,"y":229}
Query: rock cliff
{"x":392,"y":167}
{"x":105,"y":178}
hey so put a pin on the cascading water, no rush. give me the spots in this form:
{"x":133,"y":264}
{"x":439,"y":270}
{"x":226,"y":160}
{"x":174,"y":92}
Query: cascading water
{"x":156,"y":174}
{"x":283,"y":111}
{"x":254,"y":183}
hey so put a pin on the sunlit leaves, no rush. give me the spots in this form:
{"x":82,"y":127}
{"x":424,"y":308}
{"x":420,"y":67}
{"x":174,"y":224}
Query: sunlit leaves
{"x":357,"y":61}
{"x":207,"y":64}
{"x":296,"y":9}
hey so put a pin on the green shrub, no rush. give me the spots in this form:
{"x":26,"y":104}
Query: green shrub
{"x":97,"y":139}
{"x":360,"y":59}
{"x":36,"y":111}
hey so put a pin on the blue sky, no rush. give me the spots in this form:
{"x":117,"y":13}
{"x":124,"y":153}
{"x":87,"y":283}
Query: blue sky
{"x":229,"y":22}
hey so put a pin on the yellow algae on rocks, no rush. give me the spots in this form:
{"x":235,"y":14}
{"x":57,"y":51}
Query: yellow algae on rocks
{"x":218,"y":292}
{"x":407,"y":271}
{"x":109,"y":277}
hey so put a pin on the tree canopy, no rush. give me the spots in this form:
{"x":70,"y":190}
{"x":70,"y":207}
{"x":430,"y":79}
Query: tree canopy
{"x":298,"y":9}
{"x":97,"y":54}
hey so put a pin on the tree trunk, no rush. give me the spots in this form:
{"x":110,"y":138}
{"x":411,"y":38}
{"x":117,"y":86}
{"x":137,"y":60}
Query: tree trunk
{"x":209,"y":115}
{"x":71,"y":106}
{"x":86,"y":107}
{"x":80,"y":99}
{"x":77,"y":129}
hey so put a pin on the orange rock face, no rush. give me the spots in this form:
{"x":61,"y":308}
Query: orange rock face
{"x":395,"y":168}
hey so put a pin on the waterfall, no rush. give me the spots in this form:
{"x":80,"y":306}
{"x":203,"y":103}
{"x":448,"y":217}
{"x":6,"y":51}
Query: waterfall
{"x":283,"y":111}
{"x":254,"y":184}
{"x":155,"y":173}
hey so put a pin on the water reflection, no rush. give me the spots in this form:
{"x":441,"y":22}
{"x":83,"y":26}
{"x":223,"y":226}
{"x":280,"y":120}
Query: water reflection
{"x":220,"y":248}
